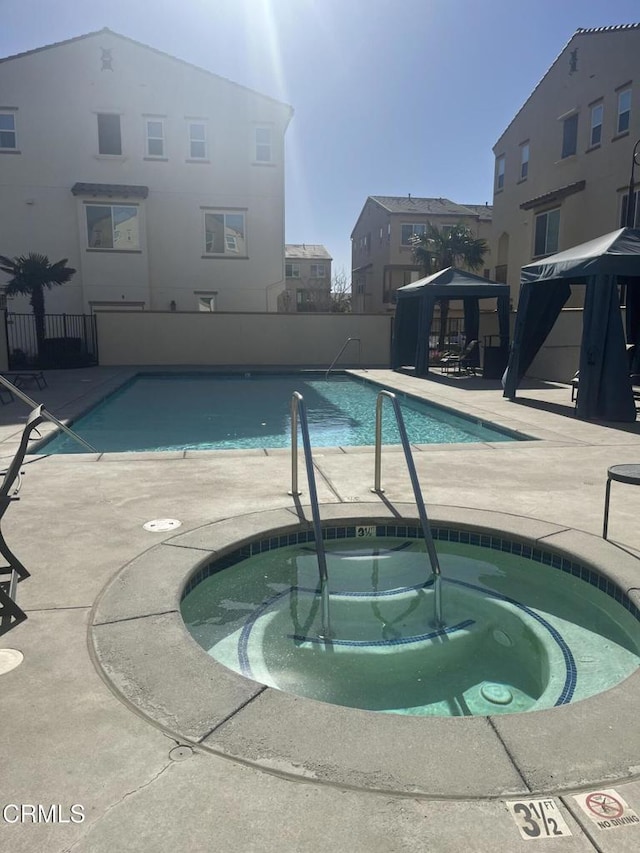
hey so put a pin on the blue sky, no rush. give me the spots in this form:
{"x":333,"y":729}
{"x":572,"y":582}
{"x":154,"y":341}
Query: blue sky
{"x":390,"y":96}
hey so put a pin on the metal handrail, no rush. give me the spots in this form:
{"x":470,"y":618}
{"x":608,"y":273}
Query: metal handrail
{"x":45,"y":414}
{"x":298,"y":411}
{"x":344,"y":346}
{"x":422,"y":512}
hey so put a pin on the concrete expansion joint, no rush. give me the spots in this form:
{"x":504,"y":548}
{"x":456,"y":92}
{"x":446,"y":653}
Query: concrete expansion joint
{"x":135,"y":618}
{"x":552,"y":534}
{"x":232,"y":714}
{"x":508,"y":752}
{"x":62,"y":609}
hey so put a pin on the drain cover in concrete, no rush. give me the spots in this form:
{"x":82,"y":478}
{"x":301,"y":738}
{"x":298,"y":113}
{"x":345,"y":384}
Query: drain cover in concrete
{"x":9,"y":659}
{"x":160,"y":525}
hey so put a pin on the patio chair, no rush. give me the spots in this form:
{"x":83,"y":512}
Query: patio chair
{"x":459,"y":363}
{"x":10,"y":613}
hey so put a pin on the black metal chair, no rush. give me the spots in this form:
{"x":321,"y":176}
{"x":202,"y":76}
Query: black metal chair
{"x":10,"y":613}
{"x":459,"y":363}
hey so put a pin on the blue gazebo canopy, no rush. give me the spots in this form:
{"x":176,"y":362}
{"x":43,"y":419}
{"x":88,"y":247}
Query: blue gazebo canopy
{"x":414,"y":313}
{"x":600,"y":265}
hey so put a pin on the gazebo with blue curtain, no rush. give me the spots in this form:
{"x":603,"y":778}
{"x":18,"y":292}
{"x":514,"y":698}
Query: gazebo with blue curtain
{"x":414,"y":314}
{"x":601,"y":266}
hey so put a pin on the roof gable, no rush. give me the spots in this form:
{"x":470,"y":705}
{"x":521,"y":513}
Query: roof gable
{"x":113,"y":34}
{"x":580,"y":32}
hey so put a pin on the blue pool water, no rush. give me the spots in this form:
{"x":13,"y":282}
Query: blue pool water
{"x":212,"y":412}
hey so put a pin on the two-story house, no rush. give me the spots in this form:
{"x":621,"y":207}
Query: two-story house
{"x":563,"y":164}
{"x":382,"y":243}
{"x":307,"y":270}
{"x":162,"y":183}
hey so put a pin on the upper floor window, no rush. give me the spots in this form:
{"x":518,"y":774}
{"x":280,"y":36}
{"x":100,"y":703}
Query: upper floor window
{"x":410,"y":230}
{"x":524,"y":161}
{"x":597,"y":113}
{"x":112,"y":226}
{"x":317,"y":270}
{"x":624,"y":111}
{"x":225,"y":234}
{"x":155,"y":137}
{"x":500,"y":162}
{"x":197,"y":140}
{"x":8,"y":132}
{"x":109,"y":138}
{"x":546,"y":234}
{"x":264,"y":151}
{"x":292,"y":270}
{"x":569,"y":136}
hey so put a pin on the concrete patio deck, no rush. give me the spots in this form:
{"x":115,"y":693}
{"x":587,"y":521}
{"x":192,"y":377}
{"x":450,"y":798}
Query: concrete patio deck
{"x":70,"y":736}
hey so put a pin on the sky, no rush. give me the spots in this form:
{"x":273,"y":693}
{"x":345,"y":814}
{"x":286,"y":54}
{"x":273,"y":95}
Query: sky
{"x":390,"y":97}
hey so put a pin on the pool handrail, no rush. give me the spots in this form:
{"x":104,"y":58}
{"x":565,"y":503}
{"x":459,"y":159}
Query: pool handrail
{"x":417,"y":492}
{"x":45,"y":414}
{"x":298,"y":412}
{"x":344,"y":346}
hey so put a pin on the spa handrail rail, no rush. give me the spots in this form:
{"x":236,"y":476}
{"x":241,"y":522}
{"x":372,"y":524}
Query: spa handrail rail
{"x":417,"y":492}
{"x":344,"y":346}
{"x":299,"y":412}
{"x":45,"y":414}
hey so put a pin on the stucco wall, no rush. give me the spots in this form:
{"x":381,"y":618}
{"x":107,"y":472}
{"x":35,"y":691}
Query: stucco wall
{"x":219,"y":339}
{"x":56,"y":95}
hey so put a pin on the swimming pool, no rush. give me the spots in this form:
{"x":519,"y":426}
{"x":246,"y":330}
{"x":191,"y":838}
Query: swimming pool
{"x":203,"y":411}
{"x":524,"y":629}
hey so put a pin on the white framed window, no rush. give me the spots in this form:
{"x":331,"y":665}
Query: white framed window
{"x":546,"y":233}
{"x":225,"y":233}
{"x":500,"y":164}
{"x":569,"y":136}
{"x":318,"y":270}
{"x":197,"y":140}
{"x":264,"y":145}
{"x":155,"y":146}
{"x":409,"y":230}
{"x":8,"y":138}
{"x":624,"y":111}
{"x":291,"y":270}
{"x":524,"y":161}
{"x":206,"y":300}
{"x":109,"y":134}
{"x":113,"y":226}
{"x":597,"y":114}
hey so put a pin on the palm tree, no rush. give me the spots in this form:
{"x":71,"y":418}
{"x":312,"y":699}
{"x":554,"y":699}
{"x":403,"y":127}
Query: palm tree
{"x":30,"y":274}
{"x":439,"y":248}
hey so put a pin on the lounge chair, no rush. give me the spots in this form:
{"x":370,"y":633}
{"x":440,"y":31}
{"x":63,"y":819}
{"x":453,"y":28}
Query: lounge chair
{"x":460,"y":363}
{"x":14,"y":572}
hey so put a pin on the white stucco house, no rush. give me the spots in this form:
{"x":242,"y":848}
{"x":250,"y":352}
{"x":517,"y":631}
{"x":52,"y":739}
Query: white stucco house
{"x":162,"y":183}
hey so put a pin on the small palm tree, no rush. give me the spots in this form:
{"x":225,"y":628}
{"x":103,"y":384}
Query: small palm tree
{"x":30,"y":274}
{"x":439,"y":248}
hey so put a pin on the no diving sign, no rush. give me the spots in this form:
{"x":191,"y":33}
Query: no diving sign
{"x":607,"y":809}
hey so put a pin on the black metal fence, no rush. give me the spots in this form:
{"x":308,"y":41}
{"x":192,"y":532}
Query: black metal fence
{"x":70,"y":340}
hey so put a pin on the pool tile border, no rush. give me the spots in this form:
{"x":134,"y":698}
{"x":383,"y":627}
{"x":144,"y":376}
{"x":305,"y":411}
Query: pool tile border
{"x":405,"y":531}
